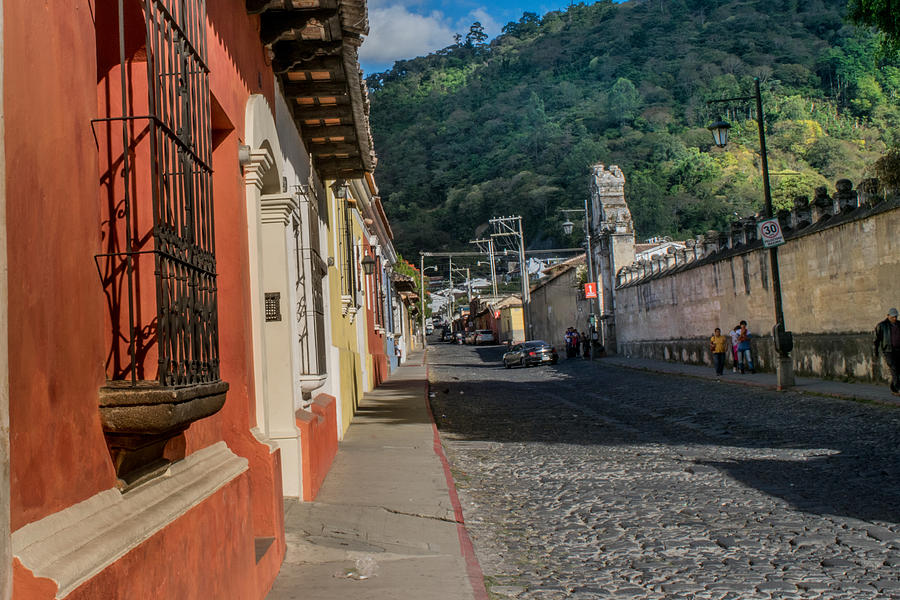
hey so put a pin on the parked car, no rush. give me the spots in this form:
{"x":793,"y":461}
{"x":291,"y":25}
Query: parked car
{"x":484,"y":336}
{"x":429,"y":328}
{"x":534,"y":352}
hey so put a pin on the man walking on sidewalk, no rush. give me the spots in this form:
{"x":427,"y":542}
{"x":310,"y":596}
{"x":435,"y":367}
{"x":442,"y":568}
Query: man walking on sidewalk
{"x":887,"y":341}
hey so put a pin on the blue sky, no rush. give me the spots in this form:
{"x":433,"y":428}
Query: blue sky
{"x":401,"y":29}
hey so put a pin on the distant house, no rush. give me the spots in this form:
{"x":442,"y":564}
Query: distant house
{"x":557,"y":303}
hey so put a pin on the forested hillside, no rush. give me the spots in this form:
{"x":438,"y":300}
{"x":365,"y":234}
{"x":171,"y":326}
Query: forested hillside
{"x":511,"y":127}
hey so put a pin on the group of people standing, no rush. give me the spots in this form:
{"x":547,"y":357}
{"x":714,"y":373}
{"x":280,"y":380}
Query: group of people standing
{"x":887,"y":344}
{"x":739,"y":341}
{"x":577,"y":344}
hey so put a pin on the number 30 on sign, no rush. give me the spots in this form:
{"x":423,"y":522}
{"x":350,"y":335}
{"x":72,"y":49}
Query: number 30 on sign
{"x":770,"y":233}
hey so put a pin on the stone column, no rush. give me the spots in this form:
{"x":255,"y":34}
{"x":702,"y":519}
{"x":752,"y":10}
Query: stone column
{"x":822,"y":205}
{"x":847,"y":198}
{"x":255,"y":171}
{"x":612,"y":224}
{"x":279,"y":274}
{"x":801,"y":215}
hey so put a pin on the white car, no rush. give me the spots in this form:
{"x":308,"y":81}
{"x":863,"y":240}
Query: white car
{"x":484,"y":336}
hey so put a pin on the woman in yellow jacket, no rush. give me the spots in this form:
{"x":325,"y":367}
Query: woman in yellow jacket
{"x":718,"y":345}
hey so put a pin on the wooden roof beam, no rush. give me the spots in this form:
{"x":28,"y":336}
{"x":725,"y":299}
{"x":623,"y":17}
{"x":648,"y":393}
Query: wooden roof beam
{"x":317,"y":149}
{"x":293,"y":54}
{"x":255,"y":7}
{"x":274,"y":24}
{"x":304,"y":113}
{"x":320,"y":63}
{"x":329,"y":131}
{"x":332,"y":166}
{"x":331,"y":89}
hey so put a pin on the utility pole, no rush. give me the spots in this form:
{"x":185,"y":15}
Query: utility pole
{"x":452,"y":297}
{"x":511,"y":227}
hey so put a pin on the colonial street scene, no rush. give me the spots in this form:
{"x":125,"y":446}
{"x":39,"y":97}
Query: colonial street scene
{"x":328,"y":299}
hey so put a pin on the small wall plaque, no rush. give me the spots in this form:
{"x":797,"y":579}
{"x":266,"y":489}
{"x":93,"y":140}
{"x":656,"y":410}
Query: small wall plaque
{"x":273,"y":306}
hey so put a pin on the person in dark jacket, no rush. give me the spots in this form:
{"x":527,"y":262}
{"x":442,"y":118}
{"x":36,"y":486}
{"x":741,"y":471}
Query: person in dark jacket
{"x":887,"y":342}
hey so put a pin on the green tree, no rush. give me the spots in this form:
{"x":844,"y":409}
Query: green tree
{"x":881,"y":14}
{"x":624,"y":100}
{"x":476,"y":36}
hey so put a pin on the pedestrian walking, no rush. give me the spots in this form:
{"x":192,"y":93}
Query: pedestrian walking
{"x":744,"y":349}
{"x":887,"y":342}
{"x":734,"y":334}
{"x":568,"y":338}
{"x":585,"y":346}
{"x":718,"y":344}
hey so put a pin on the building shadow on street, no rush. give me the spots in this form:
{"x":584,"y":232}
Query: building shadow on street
{"x":822,"y":455}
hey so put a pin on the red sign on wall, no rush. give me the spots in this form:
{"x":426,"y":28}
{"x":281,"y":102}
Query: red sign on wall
{"x":590,"y":290}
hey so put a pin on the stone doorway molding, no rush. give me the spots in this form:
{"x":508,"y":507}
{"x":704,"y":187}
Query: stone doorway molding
{"x":272,"y":213}
{"x":262,"y":175}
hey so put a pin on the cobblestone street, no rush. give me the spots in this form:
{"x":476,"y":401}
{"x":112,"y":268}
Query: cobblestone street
{"x":584,"y":480}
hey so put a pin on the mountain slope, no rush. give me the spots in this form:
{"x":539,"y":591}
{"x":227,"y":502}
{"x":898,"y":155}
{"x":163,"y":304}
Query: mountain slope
{"x":512,"y":127}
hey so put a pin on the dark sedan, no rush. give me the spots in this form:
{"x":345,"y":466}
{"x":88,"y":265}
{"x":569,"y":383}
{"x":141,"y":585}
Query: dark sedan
{"x":535,"y":352}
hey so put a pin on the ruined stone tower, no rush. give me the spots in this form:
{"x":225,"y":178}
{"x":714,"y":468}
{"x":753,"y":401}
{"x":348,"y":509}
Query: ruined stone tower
{"x":612,"y":236}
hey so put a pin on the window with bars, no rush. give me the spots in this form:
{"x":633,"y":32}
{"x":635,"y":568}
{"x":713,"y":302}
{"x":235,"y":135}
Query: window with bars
{"x":349,"y":271}
{"x":166,"y":214}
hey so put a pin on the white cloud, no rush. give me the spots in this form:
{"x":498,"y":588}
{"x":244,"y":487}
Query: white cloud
{"x":395,"y":33}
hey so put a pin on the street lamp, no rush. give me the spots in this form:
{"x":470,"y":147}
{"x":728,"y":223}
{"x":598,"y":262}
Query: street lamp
{"x":339,"y":187}
{"x":719,"y":130}
{"x":784,"y":341}
{"x":568,"y":226}
{"x":368,"y":265}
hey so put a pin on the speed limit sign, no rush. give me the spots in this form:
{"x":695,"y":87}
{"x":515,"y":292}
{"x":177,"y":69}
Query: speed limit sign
{"x":770,"y":233}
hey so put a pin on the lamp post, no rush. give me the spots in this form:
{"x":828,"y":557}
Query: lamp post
{"x":490,"y":263}
{"x":568,"y":226}
{"x":783,"y":339}
{"x":422,"y":289}
{"x":368,"y":264}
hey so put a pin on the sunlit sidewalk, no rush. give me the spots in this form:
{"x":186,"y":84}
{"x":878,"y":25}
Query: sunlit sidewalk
{"x":386,"y":524}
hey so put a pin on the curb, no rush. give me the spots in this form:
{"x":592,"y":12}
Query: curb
{"x":473,"y":567}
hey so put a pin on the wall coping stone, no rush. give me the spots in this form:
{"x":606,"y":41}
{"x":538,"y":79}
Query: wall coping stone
{"x":828,"y":221}
{"x":77,"y":543}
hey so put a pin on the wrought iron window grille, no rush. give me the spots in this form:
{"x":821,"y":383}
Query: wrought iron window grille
{"x":180,"y":140}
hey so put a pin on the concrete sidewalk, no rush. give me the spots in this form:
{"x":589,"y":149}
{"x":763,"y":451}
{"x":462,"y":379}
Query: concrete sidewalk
{"x":809,"y":385}
{"x":386,"y":524}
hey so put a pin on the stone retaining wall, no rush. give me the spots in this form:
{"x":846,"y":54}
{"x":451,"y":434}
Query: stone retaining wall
{"x":840,"y":272}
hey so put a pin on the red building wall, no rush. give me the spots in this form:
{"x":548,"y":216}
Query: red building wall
{"x":57,"y":344}
{"x":60,"y":329}
{"x":374,"y":340}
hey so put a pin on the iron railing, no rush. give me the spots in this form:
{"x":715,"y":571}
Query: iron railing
{"x":180,"y":142}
